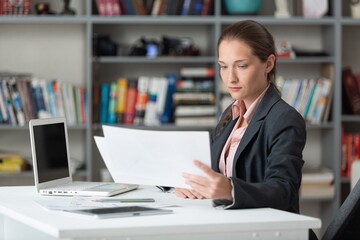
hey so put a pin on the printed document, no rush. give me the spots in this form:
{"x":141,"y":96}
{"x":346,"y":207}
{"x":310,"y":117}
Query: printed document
{"x":149,"y":157}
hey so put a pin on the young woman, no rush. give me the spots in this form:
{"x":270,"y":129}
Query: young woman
{"x":257,"y":145}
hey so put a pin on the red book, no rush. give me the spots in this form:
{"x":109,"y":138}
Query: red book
{"x":130,"y":103}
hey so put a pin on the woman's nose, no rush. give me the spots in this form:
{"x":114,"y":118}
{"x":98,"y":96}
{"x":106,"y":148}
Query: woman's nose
{"x":232,"y":76}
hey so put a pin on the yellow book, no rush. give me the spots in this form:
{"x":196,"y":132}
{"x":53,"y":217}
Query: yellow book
{"x":122,"y":85}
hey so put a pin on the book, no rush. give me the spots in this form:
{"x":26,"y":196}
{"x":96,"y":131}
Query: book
{"x":162,"y":87}
{"x":351,"y":90}
{"x":104,"y":102}
{"x":16,"y":101}
{"x":317,"y":191}
{"x":96,"y":102}
{"x":131,"y":97}
{"x":122,"y":86}
{"x":8,"y":105}
{"x":58,"y":96}
{"x":69,"y":103}
{"x":3,"y":106}
{"x":142,"y":99}
{"x":323,"y":100}
{"x":196,"y":121}
{"x":193,"y":98}
{"x":166,"y":116}
{"x":197,"y":72}
{"x":150,"y":118}
{"x":101,"y":7}
{"x":195,"y":110}
{"x":112,"y":103}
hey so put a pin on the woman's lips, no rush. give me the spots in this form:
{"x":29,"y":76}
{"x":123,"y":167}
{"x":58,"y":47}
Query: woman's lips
{"x":234,"y":89}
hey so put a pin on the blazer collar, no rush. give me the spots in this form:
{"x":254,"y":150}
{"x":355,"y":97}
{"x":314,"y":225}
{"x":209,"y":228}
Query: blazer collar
{"x":269,"y":99}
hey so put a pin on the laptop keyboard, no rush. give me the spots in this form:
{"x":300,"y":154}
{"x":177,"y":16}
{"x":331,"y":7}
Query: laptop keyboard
{"x":79,"y":186}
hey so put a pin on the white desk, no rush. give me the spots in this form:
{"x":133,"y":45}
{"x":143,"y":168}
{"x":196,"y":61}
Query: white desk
{"x":22,"y":218}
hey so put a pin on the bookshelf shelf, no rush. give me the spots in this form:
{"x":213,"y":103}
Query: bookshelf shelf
{"x":350,"y":118}
{"x":328,"y":125}
{"x":308,"y":60}
{"x":43,"y":20}
{"x":18,"y":175}
{"x":156,"y":60}
{"x":293,"y":21}
{"x":150,"y":20}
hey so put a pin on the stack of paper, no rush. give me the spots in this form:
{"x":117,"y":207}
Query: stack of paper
{"x":150,"y":157}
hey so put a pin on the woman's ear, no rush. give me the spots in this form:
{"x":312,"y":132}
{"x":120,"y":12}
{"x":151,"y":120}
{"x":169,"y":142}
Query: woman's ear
{"x":270,"y":62}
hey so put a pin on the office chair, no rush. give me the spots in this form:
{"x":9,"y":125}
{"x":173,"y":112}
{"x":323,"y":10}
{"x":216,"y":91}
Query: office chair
{"x":346,"y":223}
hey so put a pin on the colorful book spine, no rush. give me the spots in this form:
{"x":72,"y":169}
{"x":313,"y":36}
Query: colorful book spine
{"x":168,"y":108}
{"x":122,"y":85}
{"x":130,"y":103}
{"x":112,"y":103}
{"x":142,"y":99}
{"x":104,"y":103}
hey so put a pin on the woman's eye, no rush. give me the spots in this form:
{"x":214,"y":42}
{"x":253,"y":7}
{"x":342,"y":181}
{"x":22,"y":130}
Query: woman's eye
{"x":242,"y":66}
{"x":223,"y":67}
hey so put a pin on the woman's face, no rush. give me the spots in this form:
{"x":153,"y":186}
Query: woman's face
{"x":242,"y":72}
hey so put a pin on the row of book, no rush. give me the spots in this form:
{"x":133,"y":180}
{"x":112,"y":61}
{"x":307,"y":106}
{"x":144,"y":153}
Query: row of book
{"x":187,"y":99}
{"x":194,"y":101}
{"x":310,"y":97}
{"x":154,"y":7}
{"x":11,"y":7}
{"x":350,"y":151}
{"x":142,"y":101}
{"x":24,"y":97}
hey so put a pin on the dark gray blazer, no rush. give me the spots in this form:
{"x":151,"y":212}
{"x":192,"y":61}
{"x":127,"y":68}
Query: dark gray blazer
{"x":268,"y":162}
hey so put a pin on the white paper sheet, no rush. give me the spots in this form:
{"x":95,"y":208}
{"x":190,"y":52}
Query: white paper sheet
{"x":151,"y":157}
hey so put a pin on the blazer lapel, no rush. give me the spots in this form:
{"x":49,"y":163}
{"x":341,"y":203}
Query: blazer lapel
{"x":269,"y":99}
{"x":217,"y":148}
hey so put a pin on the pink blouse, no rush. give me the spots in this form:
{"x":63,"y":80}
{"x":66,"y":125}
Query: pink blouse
{"x":232,"y":143}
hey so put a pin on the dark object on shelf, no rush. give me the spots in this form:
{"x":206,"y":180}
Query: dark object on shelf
{"x":67,"y":10}
{"x":43,"y":8}
{"x":104,"y":46}
{"x":169,"y":46}
{"x":144,"y":47}
{"x":179,"y":46}
{"x":309,"y":53}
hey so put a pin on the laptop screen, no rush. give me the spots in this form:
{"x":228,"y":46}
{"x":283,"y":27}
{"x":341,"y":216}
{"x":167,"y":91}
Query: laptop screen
{"x":51,"y":152}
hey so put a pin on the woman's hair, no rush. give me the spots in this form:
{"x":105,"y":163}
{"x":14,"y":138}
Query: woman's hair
{"x":261,"y":42}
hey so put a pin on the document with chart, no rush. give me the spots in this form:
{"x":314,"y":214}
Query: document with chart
{"x":151,"y":157}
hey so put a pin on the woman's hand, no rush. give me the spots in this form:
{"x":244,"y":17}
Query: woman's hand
{"x":188,"y":193}
{"x":214,"y":185}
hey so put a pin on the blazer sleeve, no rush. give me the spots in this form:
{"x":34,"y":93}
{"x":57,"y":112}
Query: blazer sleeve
{"x":284,"y":134}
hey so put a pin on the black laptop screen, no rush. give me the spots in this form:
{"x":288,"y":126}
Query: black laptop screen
{"x":51,"y":152}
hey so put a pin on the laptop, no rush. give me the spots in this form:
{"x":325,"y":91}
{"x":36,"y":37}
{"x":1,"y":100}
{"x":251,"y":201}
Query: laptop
{"x":51,"y":163}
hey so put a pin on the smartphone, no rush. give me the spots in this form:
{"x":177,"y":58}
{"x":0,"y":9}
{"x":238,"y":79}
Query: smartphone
{"x":127,"y":211}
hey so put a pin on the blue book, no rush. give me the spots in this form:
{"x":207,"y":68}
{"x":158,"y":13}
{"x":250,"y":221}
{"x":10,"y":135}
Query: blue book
{"x":112,"y":103}
{"x":168,"y":108}
{"x":104,"y":102}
